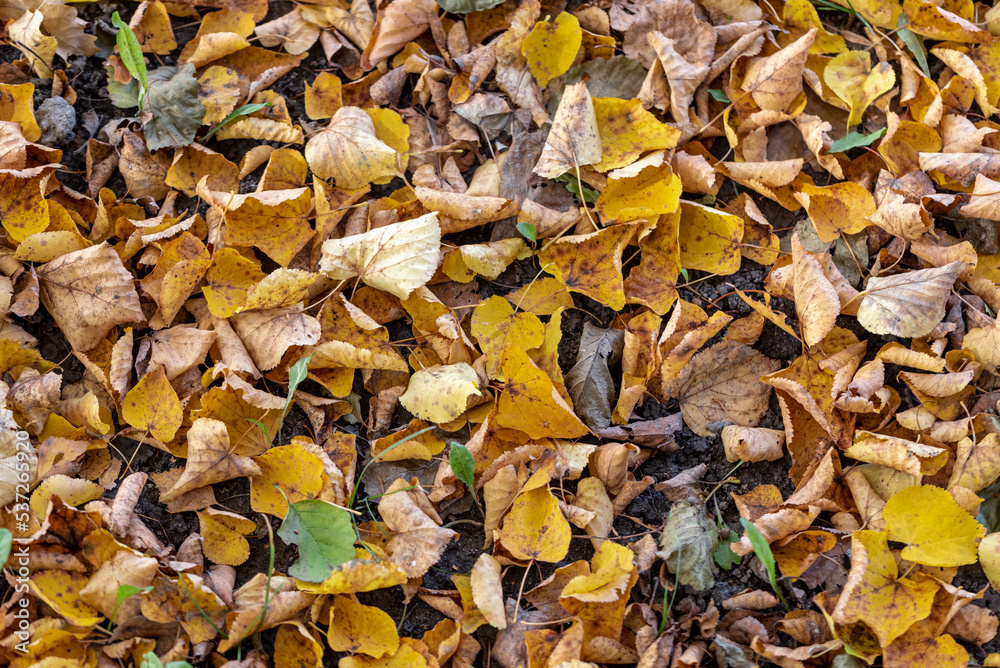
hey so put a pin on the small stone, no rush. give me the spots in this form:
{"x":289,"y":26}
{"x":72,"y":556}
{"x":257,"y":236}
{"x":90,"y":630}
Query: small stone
{"x":57,"y":119}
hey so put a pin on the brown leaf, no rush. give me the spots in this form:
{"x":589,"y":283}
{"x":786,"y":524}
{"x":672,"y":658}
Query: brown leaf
{"x":722,"y":383}
{"x":88,"y":292}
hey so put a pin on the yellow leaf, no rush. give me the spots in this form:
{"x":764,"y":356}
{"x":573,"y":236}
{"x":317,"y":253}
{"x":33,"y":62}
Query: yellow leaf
{"x":360,"y":629}
{"x":23,"y":209}
{"x":223,"y":536}
{"x":916,"y":459}
{"x":425,"y":446}
{"x":851,"y":76}
{"x":61,"y":591}
{"x":709,"y":239}
{"x":551,"y":48}
{"x":191,"y":163}
{"x":294,"y":469}
{"x":627,"y":131}
{"x":349,"y":152}
{"x":938,"y":532}
{"x":591,"y":264}
{"x":544,"y":296}
{"x":441,"y":393}
{"x":989,"y":558}
{"x":220,"y":91}
{"x":390,"y":129}
{"x":535,"y":528}
{"x":16,"y":106}
{"x":397,"y":258}
{"x":323,"y":96}
{"x":497,"y":327}
{"x":929,"y":20}
{"x":876,"y":595}
{"x":835,"y":209}
{"x":228,"y":281}
{"x":275,"y":221}
{"x":181,"y":265}
{"x":153,"y":406}
{"x":530,"y":403}
{"x":73,"y":491}
{"x":296,"y":646}
{"x":650,"y":192}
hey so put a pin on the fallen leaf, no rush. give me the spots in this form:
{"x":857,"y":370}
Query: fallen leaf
{"x":574,"y":140}
{"x":397,"y":258}
{"x":324,"y":535}
{"x":535,"y":529}
{"x":908,"y":304}
{"x":722,"y":383}
{"x":86,"y":314}
{"x":441,"y":393}
{"x":589,"y":382}
{"x":687,"y":542}
{"x":938,"y":532}
{"x":349,"y":152}
{"x":550,"y":48}
{"x":209,"y":459}
{"x":153,"y":406}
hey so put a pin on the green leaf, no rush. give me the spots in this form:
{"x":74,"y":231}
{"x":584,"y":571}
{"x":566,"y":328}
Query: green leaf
{"x":762,"y":549}
{"x":324,"y":535}
{"x":173,"y":102}
{"x":989,"y":509}
{"x":719,"y":95}
{"x":6,"y":540}
{"x":527,"y":231}
{"x":589,"y":195}
{"x":296,"y":375}
{"x":245,"y":110}
{"x":123,"y":96}
{"x":463,"y":464}
{"x":127,"y":591}
{"x":724,"y":556}
{"x":466,"y":6}
{"x":150,"y":660}
{"x":855,"y":139}
{"x":130,"y":52}
{"x":913,"y":43}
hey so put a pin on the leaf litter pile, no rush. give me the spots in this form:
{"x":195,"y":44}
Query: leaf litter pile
{"x":478,"y":333}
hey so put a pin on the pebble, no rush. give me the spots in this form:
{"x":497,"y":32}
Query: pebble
{"x":57,"y":119}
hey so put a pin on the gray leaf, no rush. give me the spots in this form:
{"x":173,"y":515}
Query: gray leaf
{"x":730,"y":654}
{"x":466,"y":6}
{"x":617,"y":76}
{"x":589,"y":382}
{"x":173,"y":103}
{"x":687,"y":543}
{"x":845,"y":252}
